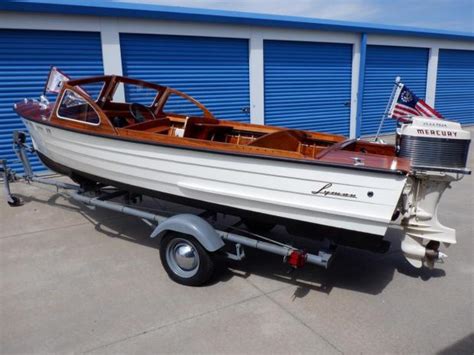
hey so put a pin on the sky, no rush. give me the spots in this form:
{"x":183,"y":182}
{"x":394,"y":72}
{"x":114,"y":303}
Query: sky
{"x":454,"y":15}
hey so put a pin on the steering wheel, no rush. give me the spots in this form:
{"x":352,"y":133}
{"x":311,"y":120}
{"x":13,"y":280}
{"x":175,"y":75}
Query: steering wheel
{"x":141,"y":113}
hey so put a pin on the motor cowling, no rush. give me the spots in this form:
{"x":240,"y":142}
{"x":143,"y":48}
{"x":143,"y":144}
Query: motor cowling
{"x":433,"y":144}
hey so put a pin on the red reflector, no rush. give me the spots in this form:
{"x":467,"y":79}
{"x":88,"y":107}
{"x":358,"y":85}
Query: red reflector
{"x":297,"y":258}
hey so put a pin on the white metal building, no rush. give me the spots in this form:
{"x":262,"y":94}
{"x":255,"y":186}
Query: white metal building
{"x":303,"y":73}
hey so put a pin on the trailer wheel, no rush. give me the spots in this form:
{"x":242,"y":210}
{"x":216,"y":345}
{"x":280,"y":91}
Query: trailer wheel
{"x":185,"y":260}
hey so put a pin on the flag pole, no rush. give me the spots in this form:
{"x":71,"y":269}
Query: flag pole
{"x":387,"y":108}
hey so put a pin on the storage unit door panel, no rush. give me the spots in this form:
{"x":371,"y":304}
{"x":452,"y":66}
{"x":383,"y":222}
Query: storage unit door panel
{"x":383,"y":65}
{"x":308,"y":85}
{"x":455,"y":85}
{"x":25,"y":60}
{"x":215,"y":71}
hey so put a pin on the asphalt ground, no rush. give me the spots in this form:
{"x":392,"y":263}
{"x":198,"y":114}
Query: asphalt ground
{"x":76,"y":280}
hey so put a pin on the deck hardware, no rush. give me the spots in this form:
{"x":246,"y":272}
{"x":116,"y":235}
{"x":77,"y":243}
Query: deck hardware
{"x":358,"y":161}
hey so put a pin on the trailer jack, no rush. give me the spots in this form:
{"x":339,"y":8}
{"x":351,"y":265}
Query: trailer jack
{"x":8,"y":176}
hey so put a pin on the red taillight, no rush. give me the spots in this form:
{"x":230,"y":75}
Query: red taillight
{"x":296,"y":259}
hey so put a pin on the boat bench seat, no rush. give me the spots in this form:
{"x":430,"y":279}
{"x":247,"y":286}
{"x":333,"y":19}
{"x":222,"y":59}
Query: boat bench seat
{"x":205,"y":128}
{"x":288,"y":139}
{"x":160,"y":125}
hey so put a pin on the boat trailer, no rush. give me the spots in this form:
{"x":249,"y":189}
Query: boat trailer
{"x":188,"y":242}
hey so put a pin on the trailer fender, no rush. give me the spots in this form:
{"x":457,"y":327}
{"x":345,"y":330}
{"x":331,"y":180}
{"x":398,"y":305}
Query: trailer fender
{"x":192,"y":225}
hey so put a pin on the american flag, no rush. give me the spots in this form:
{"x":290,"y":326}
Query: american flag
{"x":406,"y":104}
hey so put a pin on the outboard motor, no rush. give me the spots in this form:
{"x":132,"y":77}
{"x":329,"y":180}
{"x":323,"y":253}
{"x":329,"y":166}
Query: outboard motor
{"x":438,"y":151}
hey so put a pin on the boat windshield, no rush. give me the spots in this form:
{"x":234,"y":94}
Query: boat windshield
{"x":93,"y":89}
{"x":177,"y":105}
{"x":73,"y":107}
{"x":134,"y":93}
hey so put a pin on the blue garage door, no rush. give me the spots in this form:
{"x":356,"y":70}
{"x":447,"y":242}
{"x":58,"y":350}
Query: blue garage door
{"x":25,"y":60}
{"x":215,"y":71}
{"x":308,"y":85}
{"x":383,"y":65}
{"x":455,"y":85}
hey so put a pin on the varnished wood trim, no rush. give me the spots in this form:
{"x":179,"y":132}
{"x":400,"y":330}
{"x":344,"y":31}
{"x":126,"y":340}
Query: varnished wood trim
{"x":222,"y":152}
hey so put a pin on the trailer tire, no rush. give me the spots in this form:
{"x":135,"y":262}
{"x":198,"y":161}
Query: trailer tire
{"x":185,"y":260}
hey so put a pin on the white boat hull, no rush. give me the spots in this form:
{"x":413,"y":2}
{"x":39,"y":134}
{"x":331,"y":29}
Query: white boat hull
{"x":352,"y":199}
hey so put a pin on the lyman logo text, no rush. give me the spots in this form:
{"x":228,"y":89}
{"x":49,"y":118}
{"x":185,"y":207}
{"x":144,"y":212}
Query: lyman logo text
{"x":436,"y":132}
{"x":325,"y":192}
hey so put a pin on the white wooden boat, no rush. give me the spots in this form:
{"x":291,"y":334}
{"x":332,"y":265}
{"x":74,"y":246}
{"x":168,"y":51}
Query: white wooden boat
{"x":169,"y":145}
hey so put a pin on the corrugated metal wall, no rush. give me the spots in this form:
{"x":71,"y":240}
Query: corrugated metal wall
{"x":308,"y":85}
{"x":383,"y":65}
{"x":455,"y":85}
{"x":213,"y":70}
{"x":25,"y":59}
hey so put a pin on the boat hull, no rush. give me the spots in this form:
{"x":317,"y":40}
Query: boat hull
{"x":352,"y":199}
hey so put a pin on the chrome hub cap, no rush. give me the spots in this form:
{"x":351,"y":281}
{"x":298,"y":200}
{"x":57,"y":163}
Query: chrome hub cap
{"x":185,"y":256}
{"x":182,"y":257}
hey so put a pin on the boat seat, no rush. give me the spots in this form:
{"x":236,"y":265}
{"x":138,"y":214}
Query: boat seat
{"x":119,"y":122}
{"x":205,"y":128}
{"x":151,"y":125}
{"x":283,"y":140}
